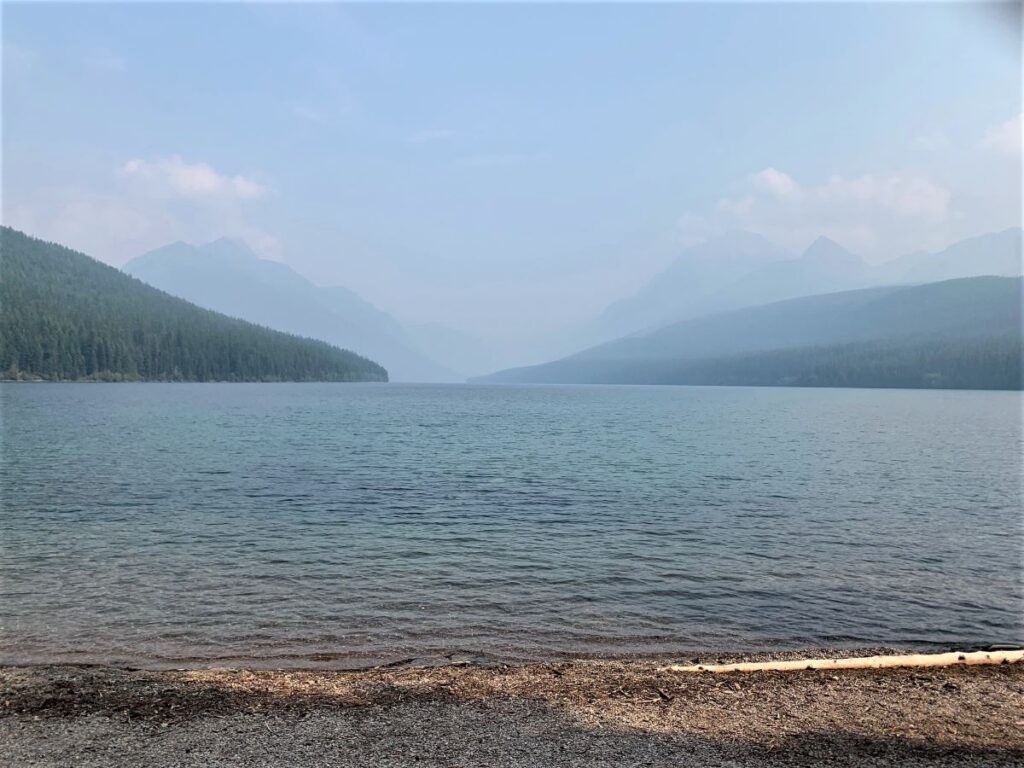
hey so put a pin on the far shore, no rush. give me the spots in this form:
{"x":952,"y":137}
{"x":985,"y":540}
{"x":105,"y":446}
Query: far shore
{"x":567,"y":713}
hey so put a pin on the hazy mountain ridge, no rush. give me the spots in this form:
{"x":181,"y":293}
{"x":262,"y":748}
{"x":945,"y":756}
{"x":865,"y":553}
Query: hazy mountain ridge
{"x":994,"y":253}
{"x":228,"y":277}
{"x":750,"y":274}
{"x":954,"y":315}
{"x":67,"y":316}
{"x":698,"y":274}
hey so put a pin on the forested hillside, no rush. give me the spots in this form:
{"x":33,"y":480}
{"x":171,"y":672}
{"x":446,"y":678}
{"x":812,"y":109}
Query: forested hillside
{"x":955,"y":334}
{"x":988,"y":363}
{"x":740,"y":269}
{"x":226,"y":276}
{"x":65,"y":316}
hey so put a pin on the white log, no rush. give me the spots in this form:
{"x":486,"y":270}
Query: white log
{"x":864,"y":662}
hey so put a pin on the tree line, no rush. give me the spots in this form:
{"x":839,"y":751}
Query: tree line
{"x":989,"y":362}
{"x":65,"y":316}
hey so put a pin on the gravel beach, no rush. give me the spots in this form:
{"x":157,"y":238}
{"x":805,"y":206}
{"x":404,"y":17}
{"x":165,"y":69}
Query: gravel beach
{"x":574,"y":713}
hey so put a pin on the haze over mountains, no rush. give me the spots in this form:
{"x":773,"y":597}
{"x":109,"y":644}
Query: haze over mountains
{"x":68,"y":317}
{"x":723,"y":312}
{"x":226,"y":276}
{"x":741,"y":269}
{"x":955,"y":333}
{"x":733,"y":271}
{"x":963,"y":332}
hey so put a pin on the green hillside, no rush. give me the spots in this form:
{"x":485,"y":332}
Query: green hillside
{"x":988,"y":363}
{"x":65,"y":316}
{"x":963,"y":334}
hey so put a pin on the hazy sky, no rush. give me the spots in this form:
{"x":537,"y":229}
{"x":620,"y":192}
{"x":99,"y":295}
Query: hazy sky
{"x":507,"y":169}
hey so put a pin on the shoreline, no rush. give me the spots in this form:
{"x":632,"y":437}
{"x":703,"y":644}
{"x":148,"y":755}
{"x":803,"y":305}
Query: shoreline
{"x":342,"y":662}
{"x":572,"y":712}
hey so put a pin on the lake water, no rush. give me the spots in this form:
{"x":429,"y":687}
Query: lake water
{"x":345,"y":525}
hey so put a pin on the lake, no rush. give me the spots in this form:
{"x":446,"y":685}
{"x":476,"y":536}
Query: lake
{"x":348,"y":525}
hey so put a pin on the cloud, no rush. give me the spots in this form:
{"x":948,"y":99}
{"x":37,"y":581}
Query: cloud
{"x":1005,"y":138}
{"x":173,"y":176}
{"x":907,"y":196}
{"x":778,"y":183}
{"x":107,"y":227}
{"x":142,"y":205}
{"x":953,"y":192}
{"x":871,"y":213}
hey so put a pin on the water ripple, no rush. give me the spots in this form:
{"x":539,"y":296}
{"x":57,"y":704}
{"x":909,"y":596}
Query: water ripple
{"x":345,"y":525}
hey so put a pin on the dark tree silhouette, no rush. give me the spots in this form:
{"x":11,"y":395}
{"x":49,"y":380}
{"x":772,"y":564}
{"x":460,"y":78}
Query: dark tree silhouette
{"x":65,"y":316}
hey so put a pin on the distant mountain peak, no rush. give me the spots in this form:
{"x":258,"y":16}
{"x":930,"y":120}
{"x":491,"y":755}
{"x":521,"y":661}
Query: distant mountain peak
{"x":229,"y":247}
{"x":824,"y":249}
{"x":227,"y":276}
{"x":823,"y":243}
{"x":227,"y":242}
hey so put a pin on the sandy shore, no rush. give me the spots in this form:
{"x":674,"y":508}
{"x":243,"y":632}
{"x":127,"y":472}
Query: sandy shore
{"x":581,"y":713}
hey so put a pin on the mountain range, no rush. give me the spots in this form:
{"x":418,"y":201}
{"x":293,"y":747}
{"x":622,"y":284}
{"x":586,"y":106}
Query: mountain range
{"x":741,"y":269}
{"x":707,"y":288}
{"x":226,"y":276}
{"x":909,"y":322}
{"x":931,"y":335}
{"x":69,"y":317}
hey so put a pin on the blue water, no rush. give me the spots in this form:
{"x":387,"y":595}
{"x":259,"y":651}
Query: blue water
{"x":306,"y":524}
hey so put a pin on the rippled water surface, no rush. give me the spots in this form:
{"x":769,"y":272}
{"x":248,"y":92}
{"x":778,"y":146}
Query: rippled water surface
{"x":353,"y":524}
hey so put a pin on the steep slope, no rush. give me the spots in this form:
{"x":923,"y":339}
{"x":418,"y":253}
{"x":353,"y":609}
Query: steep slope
{"x":745,"y":275}
{"x":996,"y":253}
{"x":227,"y":277}
{"x":66,"y":316}
{"x":953,"y":315}
{"x":688,"y":286}
{"x":825,"y":267}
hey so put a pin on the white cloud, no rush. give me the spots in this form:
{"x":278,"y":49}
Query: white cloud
{"x":778,"y":183}
{"x":872,"y":213}
{"x":952,"y":192}
{"x":106,"y":227}
{"x":1006,"y":138}
{"x":142,"y":205}
{"x":175,"y":177}
{"x":904,"y":195}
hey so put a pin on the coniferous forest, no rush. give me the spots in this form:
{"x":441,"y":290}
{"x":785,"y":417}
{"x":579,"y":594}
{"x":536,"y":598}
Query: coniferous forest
{"x":992,"y":362}
{"x":964,"y":333}
{"x":65,"y":316}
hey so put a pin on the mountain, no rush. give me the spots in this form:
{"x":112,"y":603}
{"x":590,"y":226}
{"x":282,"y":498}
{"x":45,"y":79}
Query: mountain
{"x":748,"y":271}
{"x":66,"y":316}
{"x":775,"y":343}
{"x":997,"y":253}
{"x":825,"y":267}
{"x":688,"y":286}
{"x":226,"y":276}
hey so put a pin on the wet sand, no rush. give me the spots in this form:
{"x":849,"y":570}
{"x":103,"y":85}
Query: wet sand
{"x":575,"y":713}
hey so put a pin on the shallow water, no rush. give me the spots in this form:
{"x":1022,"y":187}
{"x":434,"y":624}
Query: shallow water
{"x":352,"y":524}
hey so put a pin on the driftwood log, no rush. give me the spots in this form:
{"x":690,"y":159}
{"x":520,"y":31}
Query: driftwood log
{"x":862,"y":662}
